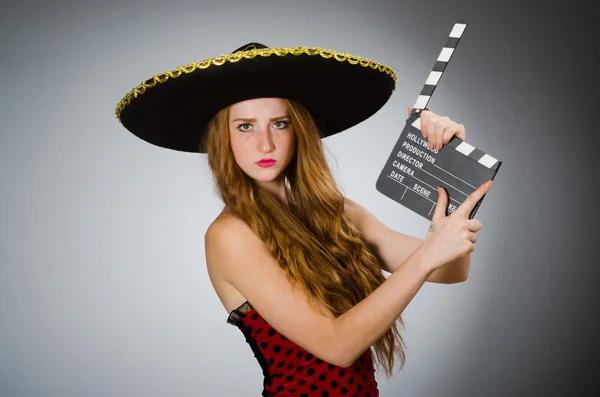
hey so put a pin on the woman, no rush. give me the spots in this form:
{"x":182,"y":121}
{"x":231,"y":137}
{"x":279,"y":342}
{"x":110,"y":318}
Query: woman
{"x":297,"y":266}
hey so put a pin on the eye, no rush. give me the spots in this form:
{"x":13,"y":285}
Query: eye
{"x":281,"y":124}
{"x":244,"y":127}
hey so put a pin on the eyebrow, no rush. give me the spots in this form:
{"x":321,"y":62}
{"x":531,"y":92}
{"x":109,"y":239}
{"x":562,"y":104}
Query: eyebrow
{"x":271,"y":119}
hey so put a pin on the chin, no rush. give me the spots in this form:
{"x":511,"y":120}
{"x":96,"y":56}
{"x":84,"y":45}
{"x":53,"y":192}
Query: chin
{"x":266,"y":177}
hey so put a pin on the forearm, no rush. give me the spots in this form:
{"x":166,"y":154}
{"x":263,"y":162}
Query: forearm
{"x":455,"y":271}
{"x":360,"y":327}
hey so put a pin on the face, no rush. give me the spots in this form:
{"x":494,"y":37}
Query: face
{"x":262,"y":138}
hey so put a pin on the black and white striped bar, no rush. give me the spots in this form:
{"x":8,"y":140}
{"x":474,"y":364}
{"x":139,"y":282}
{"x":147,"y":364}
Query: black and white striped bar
{"x":440,"y":65}
{"x":413,"y":171}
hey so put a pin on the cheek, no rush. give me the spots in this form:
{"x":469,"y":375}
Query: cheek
{"x":238,"y":149}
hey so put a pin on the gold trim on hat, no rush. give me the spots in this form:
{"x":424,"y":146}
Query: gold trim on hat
{"x":249,"y":54}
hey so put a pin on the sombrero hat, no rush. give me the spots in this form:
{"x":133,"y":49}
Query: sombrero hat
{"x":172,"y":109}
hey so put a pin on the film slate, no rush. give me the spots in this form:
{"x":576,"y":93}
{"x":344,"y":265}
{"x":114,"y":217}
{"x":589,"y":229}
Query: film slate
{"x":413,"y":172}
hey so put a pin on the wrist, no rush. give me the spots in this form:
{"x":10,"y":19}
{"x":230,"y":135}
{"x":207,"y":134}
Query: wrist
{"x":423,"y":261}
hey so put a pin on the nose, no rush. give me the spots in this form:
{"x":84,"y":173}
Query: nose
{"x":265,"y":143}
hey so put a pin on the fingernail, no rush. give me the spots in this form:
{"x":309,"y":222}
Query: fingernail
{"x":489,"y":183}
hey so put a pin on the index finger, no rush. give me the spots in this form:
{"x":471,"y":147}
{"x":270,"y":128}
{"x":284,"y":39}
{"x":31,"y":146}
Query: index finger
{"x":471,"y":201}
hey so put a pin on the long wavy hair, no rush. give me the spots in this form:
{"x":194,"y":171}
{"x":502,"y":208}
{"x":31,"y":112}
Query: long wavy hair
{"x":313,"y":240}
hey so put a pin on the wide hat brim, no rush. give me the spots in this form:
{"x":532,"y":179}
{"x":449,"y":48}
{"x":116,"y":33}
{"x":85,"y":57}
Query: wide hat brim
{"x":172,"y":110}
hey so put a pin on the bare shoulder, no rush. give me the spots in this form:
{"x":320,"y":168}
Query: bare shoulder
{"x":371,"y":227}
{"x":361,"y":217}
{"x":242,"y":268}
{"x":393,"y":247}
{"x":226,"y":237}
{"x":354,"y":211}
{"x":223,"y":229}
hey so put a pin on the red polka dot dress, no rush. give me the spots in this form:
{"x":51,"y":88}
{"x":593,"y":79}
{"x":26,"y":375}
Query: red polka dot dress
{"x":289,"y":370}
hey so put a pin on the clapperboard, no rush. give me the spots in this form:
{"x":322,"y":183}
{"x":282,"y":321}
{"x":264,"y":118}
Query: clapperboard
{"x":413,"y":172}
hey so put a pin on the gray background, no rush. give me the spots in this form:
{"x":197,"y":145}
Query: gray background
{"x":103,"y":286}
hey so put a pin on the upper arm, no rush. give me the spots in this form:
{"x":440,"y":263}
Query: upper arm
{"x":236,"y":255}
{"x":392,"y":247}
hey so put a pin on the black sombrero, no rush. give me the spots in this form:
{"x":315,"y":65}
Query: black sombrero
{"x":171,"y":110}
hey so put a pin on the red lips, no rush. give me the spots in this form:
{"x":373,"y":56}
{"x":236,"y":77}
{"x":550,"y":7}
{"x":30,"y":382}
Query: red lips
{"x":265,"y":163}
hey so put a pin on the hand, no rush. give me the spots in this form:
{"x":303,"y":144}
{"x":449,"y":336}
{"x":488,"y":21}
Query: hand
{"x":451,"y":237}
{"x":438,"y":130}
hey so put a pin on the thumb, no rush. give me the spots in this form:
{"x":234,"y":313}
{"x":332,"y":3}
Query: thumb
{"x":442,"y":203}
{"x":409,"y":110}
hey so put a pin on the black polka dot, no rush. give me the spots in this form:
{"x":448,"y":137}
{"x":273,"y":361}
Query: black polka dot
{"x":342,"y":373}
{"x":322,"y":377}
{"x":280,"y":388}
{"x":271,"y":332}
{"x":364,"y":377}
{"x":299,"y":354}
{"x":292,"y":391}
{"x":301,"y":382}
{"x":313,"y":387}
{"x":308,"y":357}
{"x":288,"y":352}
{"x":351,"y":380}
{"x":254,"y":316}
{"x":258,"y":331}
{"x":359,"y":387}
{"x":331,"y":367}
{"x":277,"y":349}
{"x":264,"y":345}
{"x":367,"y":394}
{"x":299,"y":368}
{"x":362,"y":359}
{"x":325,"y":393}
{"x":333,"y":383}
{"x":303,"y":395}
{"x":289,"y":378}
{"x":271,"y":361}
{"x":357,"y":370}
{"x":319,"y":361}
{"x":283,"y":337}
{"x":310,"y":371}
{"x":343,"y":390}
{"x":280,"y":364}
{"x":290,"y":366}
